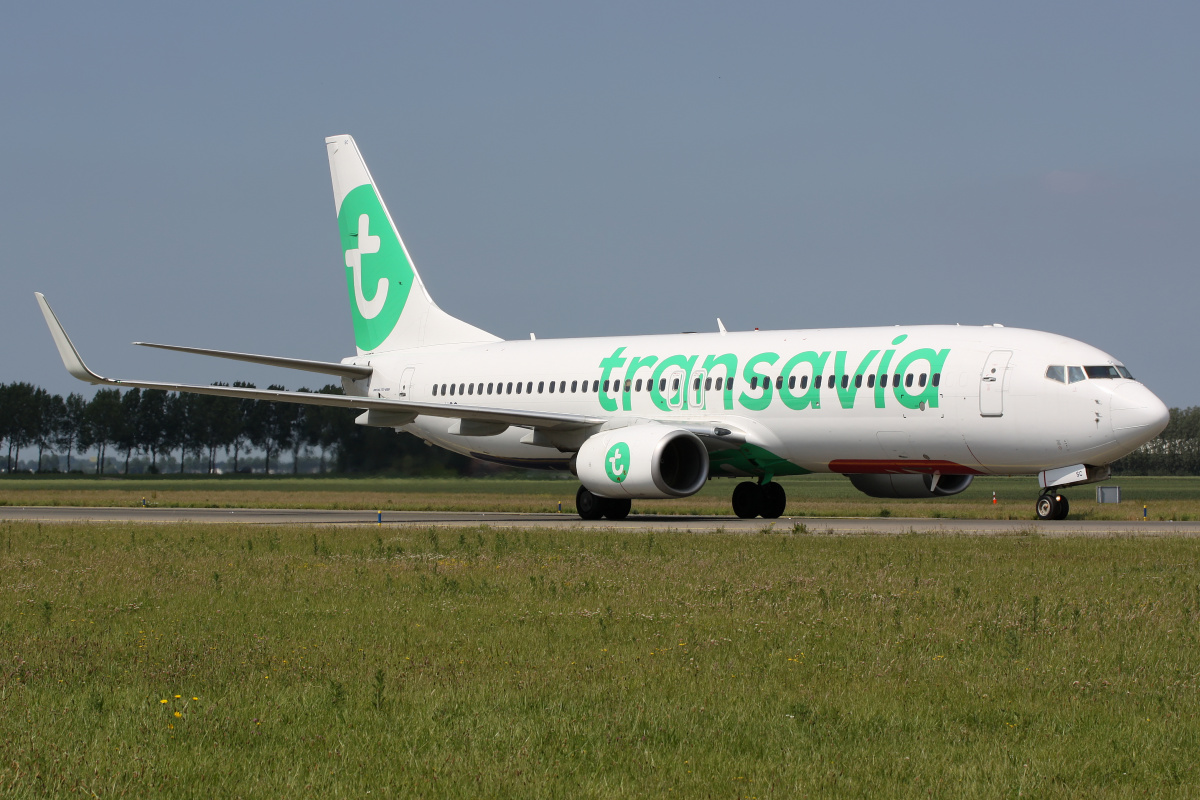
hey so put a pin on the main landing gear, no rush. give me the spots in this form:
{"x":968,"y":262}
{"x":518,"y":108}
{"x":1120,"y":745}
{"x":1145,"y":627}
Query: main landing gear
{"x":1052,"y":505}
{"x":593,"y":506}
{"x":767,"y":500}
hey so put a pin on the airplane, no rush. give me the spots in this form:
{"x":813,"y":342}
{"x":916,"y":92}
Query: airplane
{"x":903,"y":412}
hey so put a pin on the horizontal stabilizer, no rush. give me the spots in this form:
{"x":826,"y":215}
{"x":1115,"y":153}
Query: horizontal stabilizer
{"x":352,"y":371}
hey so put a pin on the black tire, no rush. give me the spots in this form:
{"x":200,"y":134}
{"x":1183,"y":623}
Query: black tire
{"x":747,"y":500}
{"x":617,"y":509}
{"x":1048,"y":507}
{"x":590,"y":506}
{"x":773,"y":500}
{"x":1064,"y":507}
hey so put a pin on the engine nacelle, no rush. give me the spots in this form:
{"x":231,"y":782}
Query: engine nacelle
{"x":648,"y":461}
{"x":909,"y":485}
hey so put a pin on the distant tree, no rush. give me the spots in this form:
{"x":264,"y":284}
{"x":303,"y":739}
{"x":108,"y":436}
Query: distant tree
{"x":152,"y":424}
{"x":74,"y":419}
{"x":21,"y":410}
{"x":241,"y":413}
{"x":52,"y":412}
{"x":104,"y":420}
{"x":272,"y":426}
{"x":127,"y":436}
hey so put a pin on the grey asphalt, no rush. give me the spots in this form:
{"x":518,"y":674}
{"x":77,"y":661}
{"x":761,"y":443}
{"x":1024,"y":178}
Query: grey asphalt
{"x":871,"y":525}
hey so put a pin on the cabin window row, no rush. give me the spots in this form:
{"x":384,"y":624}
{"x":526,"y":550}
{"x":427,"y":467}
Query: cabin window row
{"x":832,"y":380}
{"x":710,"y":384}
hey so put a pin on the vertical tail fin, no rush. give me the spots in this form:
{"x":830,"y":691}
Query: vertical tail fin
{"x":389,"y":303}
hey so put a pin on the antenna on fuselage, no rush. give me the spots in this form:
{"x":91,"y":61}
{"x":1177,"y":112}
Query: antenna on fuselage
{"x":721,"y":326}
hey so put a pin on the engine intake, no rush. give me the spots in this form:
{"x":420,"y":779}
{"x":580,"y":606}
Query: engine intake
{"x":909,"y":485}
{"x":644,"y":461}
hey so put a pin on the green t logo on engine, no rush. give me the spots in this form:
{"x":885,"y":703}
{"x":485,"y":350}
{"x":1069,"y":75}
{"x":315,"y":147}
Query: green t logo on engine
{"x":616,"y":463}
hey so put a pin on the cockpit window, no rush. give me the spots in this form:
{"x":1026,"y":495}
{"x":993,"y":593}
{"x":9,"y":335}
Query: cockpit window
{"x":1107,"y":371}
{"x":1126,"y":374}
{"x":1057,"y":373}
{"x":1075,"y":375}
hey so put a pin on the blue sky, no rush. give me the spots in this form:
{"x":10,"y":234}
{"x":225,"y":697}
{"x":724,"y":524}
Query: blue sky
{"x":582,"y":170}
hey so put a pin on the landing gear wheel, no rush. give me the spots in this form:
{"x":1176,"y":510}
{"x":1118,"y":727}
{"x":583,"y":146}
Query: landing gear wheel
{"x":617,"y":509}
{"x":773,"y":500}
{"x":1052,"y":506}
{"x":747,"y":500}
{"x":589,"y":506}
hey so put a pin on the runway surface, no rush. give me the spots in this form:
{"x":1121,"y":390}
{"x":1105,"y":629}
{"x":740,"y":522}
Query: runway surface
{"x":819,"y":525}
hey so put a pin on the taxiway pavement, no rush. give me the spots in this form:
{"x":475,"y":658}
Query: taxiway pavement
{"x":818,"y":525}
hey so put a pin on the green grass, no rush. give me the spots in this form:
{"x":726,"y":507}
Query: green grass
{"x":1168,"y":498}
{"x":479,"y":663}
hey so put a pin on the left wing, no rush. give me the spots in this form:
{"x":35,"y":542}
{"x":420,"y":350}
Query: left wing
{"x":398,"y":412}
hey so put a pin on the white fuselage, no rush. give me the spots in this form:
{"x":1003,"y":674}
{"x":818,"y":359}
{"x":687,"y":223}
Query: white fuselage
{"x":993,"y":409}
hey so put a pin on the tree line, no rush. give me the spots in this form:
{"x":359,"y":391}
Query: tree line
{"x":118,"y":425}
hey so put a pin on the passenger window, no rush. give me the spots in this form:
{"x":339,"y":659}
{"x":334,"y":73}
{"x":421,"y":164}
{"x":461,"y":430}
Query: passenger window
{"x":637,"y":387}
{"x":908,"y":380}
{"x":845,"y":381}
{"x":791,"y":381}
{"x":675,"y":385}
{"x":729,"y":384}
{"x":606,"y":386}
{"x":1075,"y":374}
{"x":435,"y":390}
{"x":461,"y":387}
{"x":858,"y":381}
{"x":779,"y":382}
{"x":921,"y":380}
{"x":470,"y":388}
{"x":443,"y":389}
{"x":803,"y":381}
{"x":1057,"y":373}
{"x":662,"y":384}
{"x":720,"y":381}
{"x":707,"y":384}
{"x":452,"y":390}
{"x":628,"y":385}
{"x":817,"y":381}
{"x":490,"y":387}
{"x":509,"y":388}
{"x":896,"y":379}
{"x":529,"y":387}
{"x":519,"y":386}
{"x":573,"y":385}
{"x":831,"y":379}
{"x":883,"y":380}
{"x":871,"y":381}
{"x":541,"y":386}
{"x":937,"y":379}
{"x":754,"y":383}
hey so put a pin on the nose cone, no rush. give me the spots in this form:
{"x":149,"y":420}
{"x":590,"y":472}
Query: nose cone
{"x":1137,"y":414}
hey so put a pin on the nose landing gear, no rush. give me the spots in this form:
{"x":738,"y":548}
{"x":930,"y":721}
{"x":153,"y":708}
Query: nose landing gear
{"x":1052,"y":505}
{"x":752,"y":500}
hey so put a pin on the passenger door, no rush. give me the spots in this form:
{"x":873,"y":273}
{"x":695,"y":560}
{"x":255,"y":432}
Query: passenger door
{"x":991,"y":383}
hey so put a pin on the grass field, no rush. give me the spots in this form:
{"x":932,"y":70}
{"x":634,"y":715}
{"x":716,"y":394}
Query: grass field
{"x":1167,"y":498}
{"x":213,"y":660}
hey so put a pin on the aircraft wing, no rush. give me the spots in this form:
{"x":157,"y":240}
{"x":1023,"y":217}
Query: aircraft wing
{"x":352,"y":371}
{"x":403,"y":411}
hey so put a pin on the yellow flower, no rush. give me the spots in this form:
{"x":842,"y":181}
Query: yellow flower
{"x":195,"y":698}
{"x":176,"y":697}
{"x":164,"y":702}
{"x":178,"y":714}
